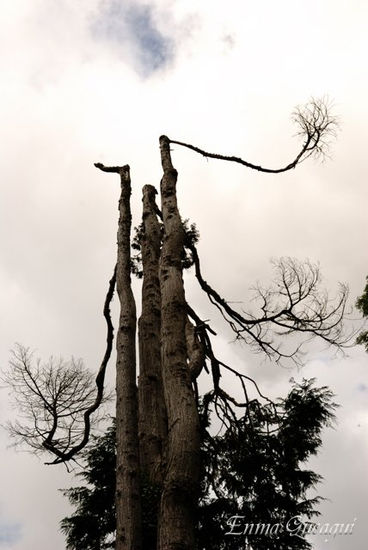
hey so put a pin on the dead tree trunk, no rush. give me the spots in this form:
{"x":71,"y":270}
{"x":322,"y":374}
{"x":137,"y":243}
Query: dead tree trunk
{"x":128,"y":535}
{"x":178,"y":501}
{"x":152,"y":410}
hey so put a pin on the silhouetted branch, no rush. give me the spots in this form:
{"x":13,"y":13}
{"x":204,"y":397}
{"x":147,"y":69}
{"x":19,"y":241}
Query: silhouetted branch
{"x":225,"y":405}
{"x":294,"y":304}
{"x":57,"y":399}
{"x":316,"y":127}
{"x":114,"y":169}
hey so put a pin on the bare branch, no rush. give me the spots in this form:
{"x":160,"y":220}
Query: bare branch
{"x":294,"y":305}
{"x":57,"y":399}
{"x":113,"y":169}
{"x":316,"y":125}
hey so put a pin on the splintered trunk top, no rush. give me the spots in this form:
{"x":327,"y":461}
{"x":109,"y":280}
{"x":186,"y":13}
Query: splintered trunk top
{"x":178,"y":502}
{"x":128,"y":536}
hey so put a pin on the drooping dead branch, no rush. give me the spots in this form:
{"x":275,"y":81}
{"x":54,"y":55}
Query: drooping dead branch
{"x":225,"y":405}
{"x":293,"y":305}
{"x":316,"y":127}
{"x":58,"y":398}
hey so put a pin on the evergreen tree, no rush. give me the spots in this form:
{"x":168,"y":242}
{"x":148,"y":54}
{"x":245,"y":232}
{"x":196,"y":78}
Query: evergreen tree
{"x":253,"y":474}
{"x":92,"y":525}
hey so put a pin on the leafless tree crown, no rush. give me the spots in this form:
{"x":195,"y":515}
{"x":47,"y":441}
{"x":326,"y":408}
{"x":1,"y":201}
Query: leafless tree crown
{"x":57,"y":398}
{"x":51,"y":398}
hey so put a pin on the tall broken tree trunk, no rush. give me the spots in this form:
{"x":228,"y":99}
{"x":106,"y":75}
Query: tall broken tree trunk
{"x":178,"y":501}
{"x":128,"y":535}
{"x":152,"y":410}
{"x":128,"y":509}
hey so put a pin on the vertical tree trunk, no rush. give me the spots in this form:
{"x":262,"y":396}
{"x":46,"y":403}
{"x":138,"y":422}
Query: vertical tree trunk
{"x":178,"y":502}
{"x":128,"y":535}
{"x":152,"y":410}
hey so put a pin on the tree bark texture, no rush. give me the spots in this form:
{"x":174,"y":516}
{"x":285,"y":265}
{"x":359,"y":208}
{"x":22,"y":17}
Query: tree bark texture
{"x":178,"y":501}
{"x":152,"y":409}
{"x":195,"y":351}
{"x":128,"y":536}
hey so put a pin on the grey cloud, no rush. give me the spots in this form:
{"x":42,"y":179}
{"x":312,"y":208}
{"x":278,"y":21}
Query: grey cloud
{"x":133,"y":29}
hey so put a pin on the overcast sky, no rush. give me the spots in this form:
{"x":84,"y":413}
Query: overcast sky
{"x":100,"y":81}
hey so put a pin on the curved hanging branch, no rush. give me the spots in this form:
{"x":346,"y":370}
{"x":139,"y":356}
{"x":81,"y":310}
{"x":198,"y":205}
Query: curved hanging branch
{"x":225,"y":405}
{"x":293,"y":305}
{"x":57,"y":398}
{"x":316,"y":126}
{"x":100,"y":379}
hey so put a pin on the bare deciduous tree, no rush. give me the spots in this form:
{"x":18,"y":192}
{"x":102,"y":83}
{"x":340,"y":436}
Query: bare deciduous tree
{"x":51,"y":397}
{"x":23,"y":380}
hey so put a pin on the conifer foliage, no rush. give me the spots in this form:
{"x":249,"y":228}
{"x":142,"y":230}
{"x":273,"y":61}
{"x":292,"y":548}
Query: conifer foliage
{"x":255,"y":471}
{"x":362,"y":305}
